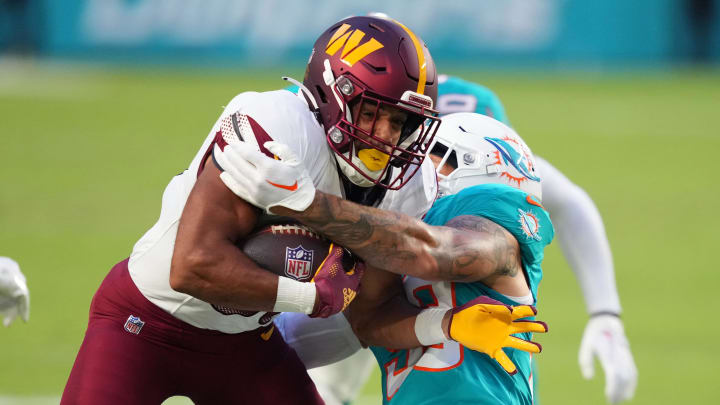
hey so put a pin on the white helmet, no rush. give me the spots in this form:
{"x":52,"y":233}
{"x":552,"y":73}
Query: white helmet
{"x":483,"y":150}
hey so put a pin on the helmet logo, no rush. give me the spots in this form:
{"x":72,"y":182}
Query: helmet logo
{"x":349,"y":41}
{"x":511,"y":156}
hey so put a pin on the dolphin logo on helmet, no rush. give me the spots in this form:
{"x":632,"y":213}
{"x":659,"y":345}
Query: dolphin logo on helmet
{"x":511,"y":155}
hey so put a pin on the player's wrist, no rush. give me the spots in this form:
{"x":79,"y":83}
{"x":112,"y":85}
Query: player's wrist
{"x":295,"y":296}
{"x":604,"y":313}
{"x":446,"y":324}
{"x":298,"y":214}
{"x":432,"y":326}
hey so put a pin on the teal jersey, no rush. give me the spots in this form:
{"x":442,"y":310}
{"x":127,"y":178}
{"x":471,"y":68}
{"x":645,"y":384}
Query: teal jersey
{"x":449,"y":373}
{"x":458,"y":95}
{"x":513,"y":209}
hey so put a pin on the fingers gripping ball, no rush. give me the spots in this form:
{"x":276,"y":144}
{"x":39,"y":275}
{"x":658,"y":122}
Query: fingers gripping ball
{"x":289,"y":250}
{"x":486,"y":325}
{"x":337,"y":281}
{"x":296,"y":252}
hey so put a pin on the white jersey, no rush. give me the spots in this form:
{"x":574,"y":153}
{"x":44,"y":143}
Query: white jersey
{"x":258,"y":117}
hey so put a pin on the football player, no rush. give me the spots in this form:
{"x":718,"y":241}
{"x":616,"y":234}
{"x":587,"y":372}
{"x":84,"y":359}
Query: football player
{"x":583,"y":241}
{"x":14,"y":294}
{"x":489,"y":185}
{"x":188,"y":313}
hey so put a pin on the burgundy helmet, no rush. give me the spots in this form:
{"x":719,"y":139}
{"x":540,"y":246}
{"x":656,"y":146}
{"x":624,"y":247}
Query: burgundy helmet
{"x":378,"y":61}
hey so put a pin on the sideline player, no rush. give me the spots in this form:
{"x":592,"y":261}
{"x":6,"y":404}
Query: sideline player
{"x":583,"y":241}
{"x":14,"y":294}
{"x":172,"y":320}
{"x":489,"y":185}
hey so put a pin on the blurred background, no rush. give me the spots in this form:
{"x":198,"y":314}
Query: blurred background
{"x":103,"y":101}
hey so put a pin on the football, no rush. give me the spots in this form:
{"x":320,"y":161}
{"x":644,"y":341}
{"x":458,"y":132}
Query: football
{"x":290,"y":250}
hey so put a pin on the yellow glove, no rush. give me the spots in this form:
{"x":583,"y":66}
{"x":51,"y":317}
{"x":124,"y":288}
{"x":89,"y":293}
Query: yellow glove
{"x":485,"y":325}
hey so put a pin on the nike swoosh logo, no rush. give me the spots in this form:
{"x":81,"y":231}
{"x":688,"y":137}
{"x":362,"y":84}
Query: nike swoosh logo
{"x":266,"y":335}
{"x":290,"y":188}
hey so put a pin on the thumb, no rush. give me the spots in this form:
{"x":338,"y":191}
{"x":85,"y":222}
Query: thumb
{"x":585,"y":359}
{"x":505,"y":362}
{"x":360,"y":268}
{"x":282,"y":151}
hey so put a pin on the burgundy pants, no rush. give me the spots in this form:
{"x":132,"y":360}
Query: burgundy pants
{"x":169,"y":357}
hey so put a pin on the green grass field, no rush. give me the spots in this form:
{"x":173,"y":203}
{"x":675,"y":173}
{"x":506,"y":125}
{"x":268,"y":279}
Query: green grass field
{"x":86,"y":153}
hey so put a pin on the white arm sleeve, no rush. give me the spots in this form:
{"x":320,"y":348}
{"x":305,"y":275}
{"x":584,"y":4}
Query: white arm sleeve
{"x":318,"y":341}
{"x":581,"y":234}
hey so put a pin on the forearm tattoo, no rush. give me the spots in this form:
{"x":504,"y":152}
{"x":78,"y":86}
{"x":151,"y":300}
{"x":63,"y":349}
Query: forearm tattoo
{"x":383,"y":238}
{"x":487,"y":250}
{"x":474,"y":249}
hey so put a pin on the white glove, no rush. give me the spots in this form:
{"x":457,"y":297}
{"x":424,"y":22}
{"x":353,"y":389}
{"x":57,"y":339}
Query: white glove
{"x":605,"y":338}
{"x":263,"y":181}
{"x":14,"y":294}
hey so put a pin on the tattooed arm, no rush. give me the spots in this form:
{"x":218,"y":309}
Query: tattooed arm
{"x":468,"y":248}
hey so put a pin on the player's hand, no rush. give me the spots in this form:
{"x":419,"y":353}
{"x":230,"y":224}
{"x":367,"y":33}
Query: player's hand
{"x":263,"y":181}
{"x":14,"y":294}
{"x":604,"y":337}
{"x":485,"y":325}
{"x":336,"y":285}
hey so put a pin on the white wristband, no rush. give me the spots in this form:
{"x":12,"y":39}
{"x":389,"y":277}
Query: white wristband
{"x":428,"y":326}
{"x":294,"y":296}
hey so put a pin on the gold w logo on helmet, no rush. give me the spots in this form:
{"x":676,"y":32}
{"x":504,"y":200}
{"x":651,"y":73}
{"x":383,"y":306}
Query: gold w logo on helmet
{"x":349,"y":41}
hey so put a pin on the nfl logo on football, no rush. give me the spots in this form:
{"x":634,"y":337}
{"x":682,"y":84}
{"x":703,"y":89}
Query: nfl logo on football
{"x":134,"y":324}
{"x":298,"y":262}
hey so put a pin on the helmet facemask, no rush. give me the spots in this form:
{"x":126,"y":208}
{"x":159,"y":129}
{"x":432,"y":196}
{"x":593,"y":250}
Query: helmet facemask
{"x":368,"y":160}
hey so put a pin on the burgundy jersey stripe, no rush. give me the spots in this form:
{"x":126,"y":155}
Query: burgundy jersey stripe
{"x":260,"y":136}
{"x":220,"y":141}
